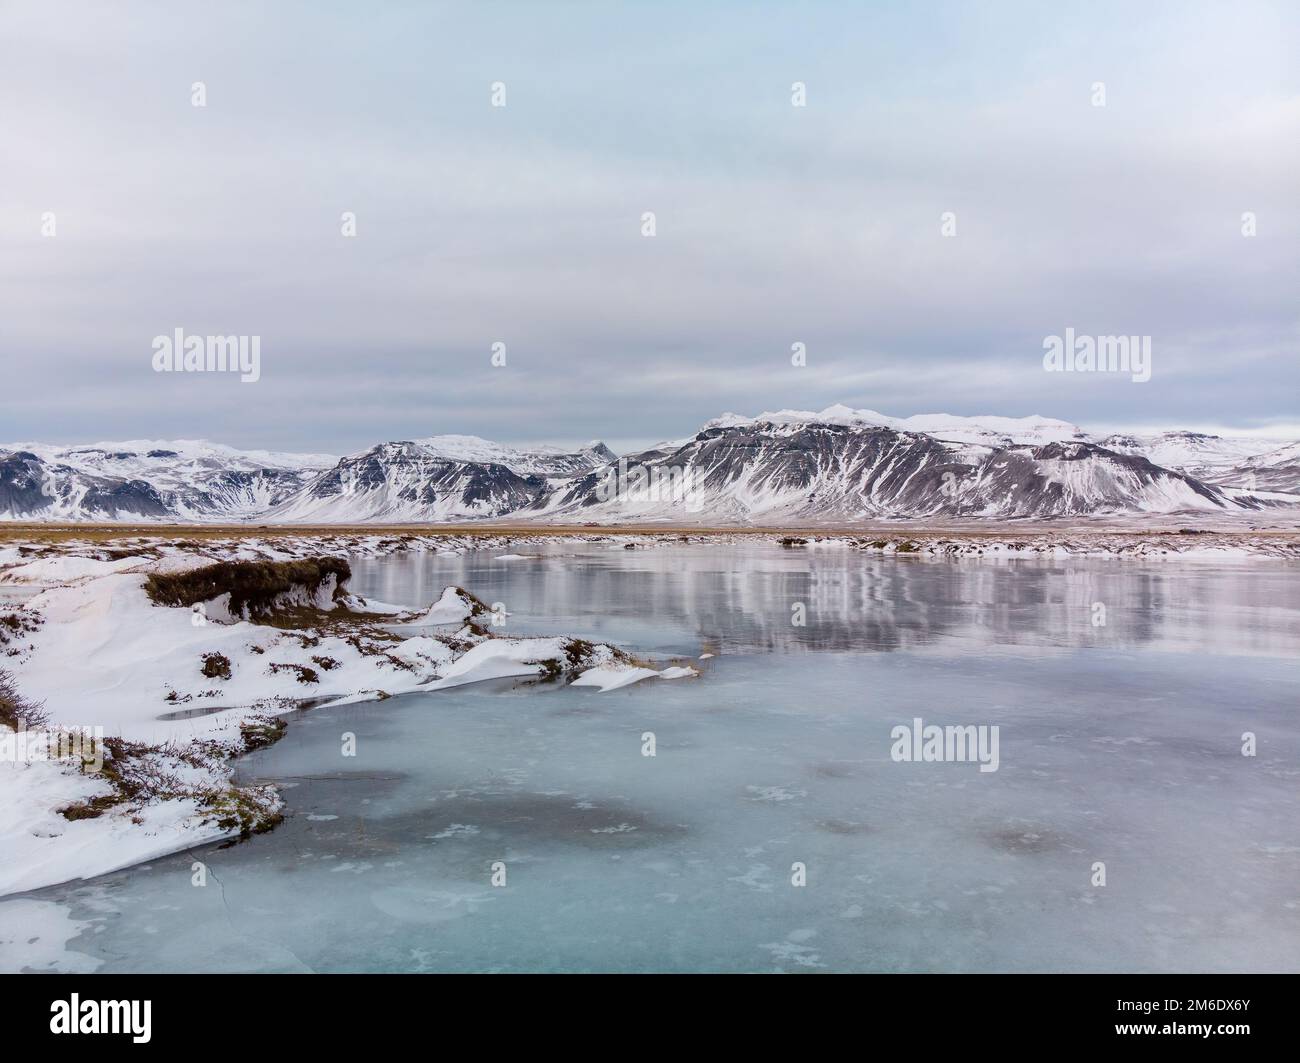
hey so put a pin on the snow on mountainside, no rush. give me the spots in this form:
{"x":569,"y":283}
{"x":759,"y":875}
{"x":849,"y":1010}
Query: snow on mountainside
{"x":985,"y":429}
{"x":140,"y":456}
{"x":531,"y":461}
{"x":837,"y":464}
{"x":1209,"y":457}
{"x":739,"y":469}
{"x":1275,"y":470}
{"x":1283,"y":456}
{"x":442,"y":478}
{"x":147,"y":480}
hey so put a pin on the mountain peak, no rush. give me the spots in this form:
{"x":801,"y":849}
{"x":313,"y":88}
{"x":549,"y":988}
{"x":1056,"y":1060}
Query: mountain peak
{"x":986,"y":428}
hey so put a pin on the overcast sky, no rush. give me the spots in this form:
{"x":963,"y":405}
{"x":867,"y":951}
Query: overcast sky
{"x":775,"y":224}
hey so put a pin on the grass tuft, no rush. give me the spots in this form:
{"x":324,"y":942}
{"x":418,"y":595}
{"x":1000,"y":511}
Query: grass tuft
{"x":216,"y":666}
{"x":15,"y":710}
{"x":254,"y":586}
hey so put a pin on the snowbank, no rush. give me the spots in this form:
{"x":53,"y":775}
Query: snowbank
{"x":177,"y":688}
{"x":614,"y":677}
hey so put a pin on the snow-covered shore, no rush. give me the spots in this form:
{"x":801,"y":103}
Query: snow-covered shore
{"x":23,"y":555}
{"x":176,"y":691}
{"x":148,"y":700}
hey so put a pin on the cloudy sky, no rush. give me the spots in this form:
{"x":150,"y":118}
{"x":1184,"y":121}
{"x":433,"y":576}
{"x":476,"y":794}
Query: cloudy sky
{"x":775,"y":224}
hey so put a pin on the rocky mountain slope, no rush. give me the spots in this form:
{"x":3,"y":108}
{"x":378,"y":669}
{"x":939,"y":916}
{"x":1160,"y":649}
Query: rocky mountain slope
{"x":443,"y":478}
{"x":149,"y":480}
{"x":809,"y":470}
{"x":838,"y":464}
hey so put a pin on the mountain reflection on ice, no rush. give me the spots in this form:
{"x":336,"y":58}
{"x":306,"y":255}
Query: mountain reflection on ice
{"x":738,"y":598}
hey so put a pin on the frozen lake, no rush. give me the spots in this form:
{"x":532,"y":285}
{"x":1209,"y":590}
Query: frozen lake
{"x":1119,"y":743}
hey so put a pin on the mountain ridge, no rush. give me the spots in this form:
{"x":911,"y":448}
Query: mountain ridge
{"x":839,"y":463}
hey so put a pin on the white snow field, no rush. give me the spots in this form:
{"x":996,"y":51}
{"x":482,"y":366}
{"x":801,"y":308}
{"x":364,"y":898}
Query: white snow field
{"x":188,"y":687}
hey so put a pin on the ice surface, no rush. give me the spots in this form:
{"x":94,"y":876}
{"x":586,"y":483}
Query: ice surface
{"x":34,"y":937}
{"x":1119,"y":743}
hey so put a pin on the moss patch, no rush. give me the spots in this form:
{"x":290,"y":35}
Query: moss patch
{"x":260,"y":733}
{"x":242,"y":810}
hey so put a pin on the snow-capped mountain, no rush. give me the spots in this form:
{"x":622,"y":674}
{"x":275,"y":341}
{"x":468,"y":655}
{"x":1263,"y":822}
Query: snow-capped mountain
{"x":837,"y":464}
{"x":148,"y":480}
{"x":992,"y":431}
{"x":1274,"y":470}
{"x":814,"y":467}
{"x":1213,"y":458}
{"x":442,"y":478}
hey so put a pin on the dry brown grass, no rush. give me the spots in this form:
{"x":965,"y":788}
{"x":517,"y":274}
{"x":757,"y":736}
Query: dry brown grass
{"x":196,"y":533}
{"x":253,"y":586}
{"x":15,"y":710}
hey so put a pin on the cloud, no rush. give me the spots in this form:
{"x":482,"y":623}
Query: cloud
{"x":521,"y":224}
